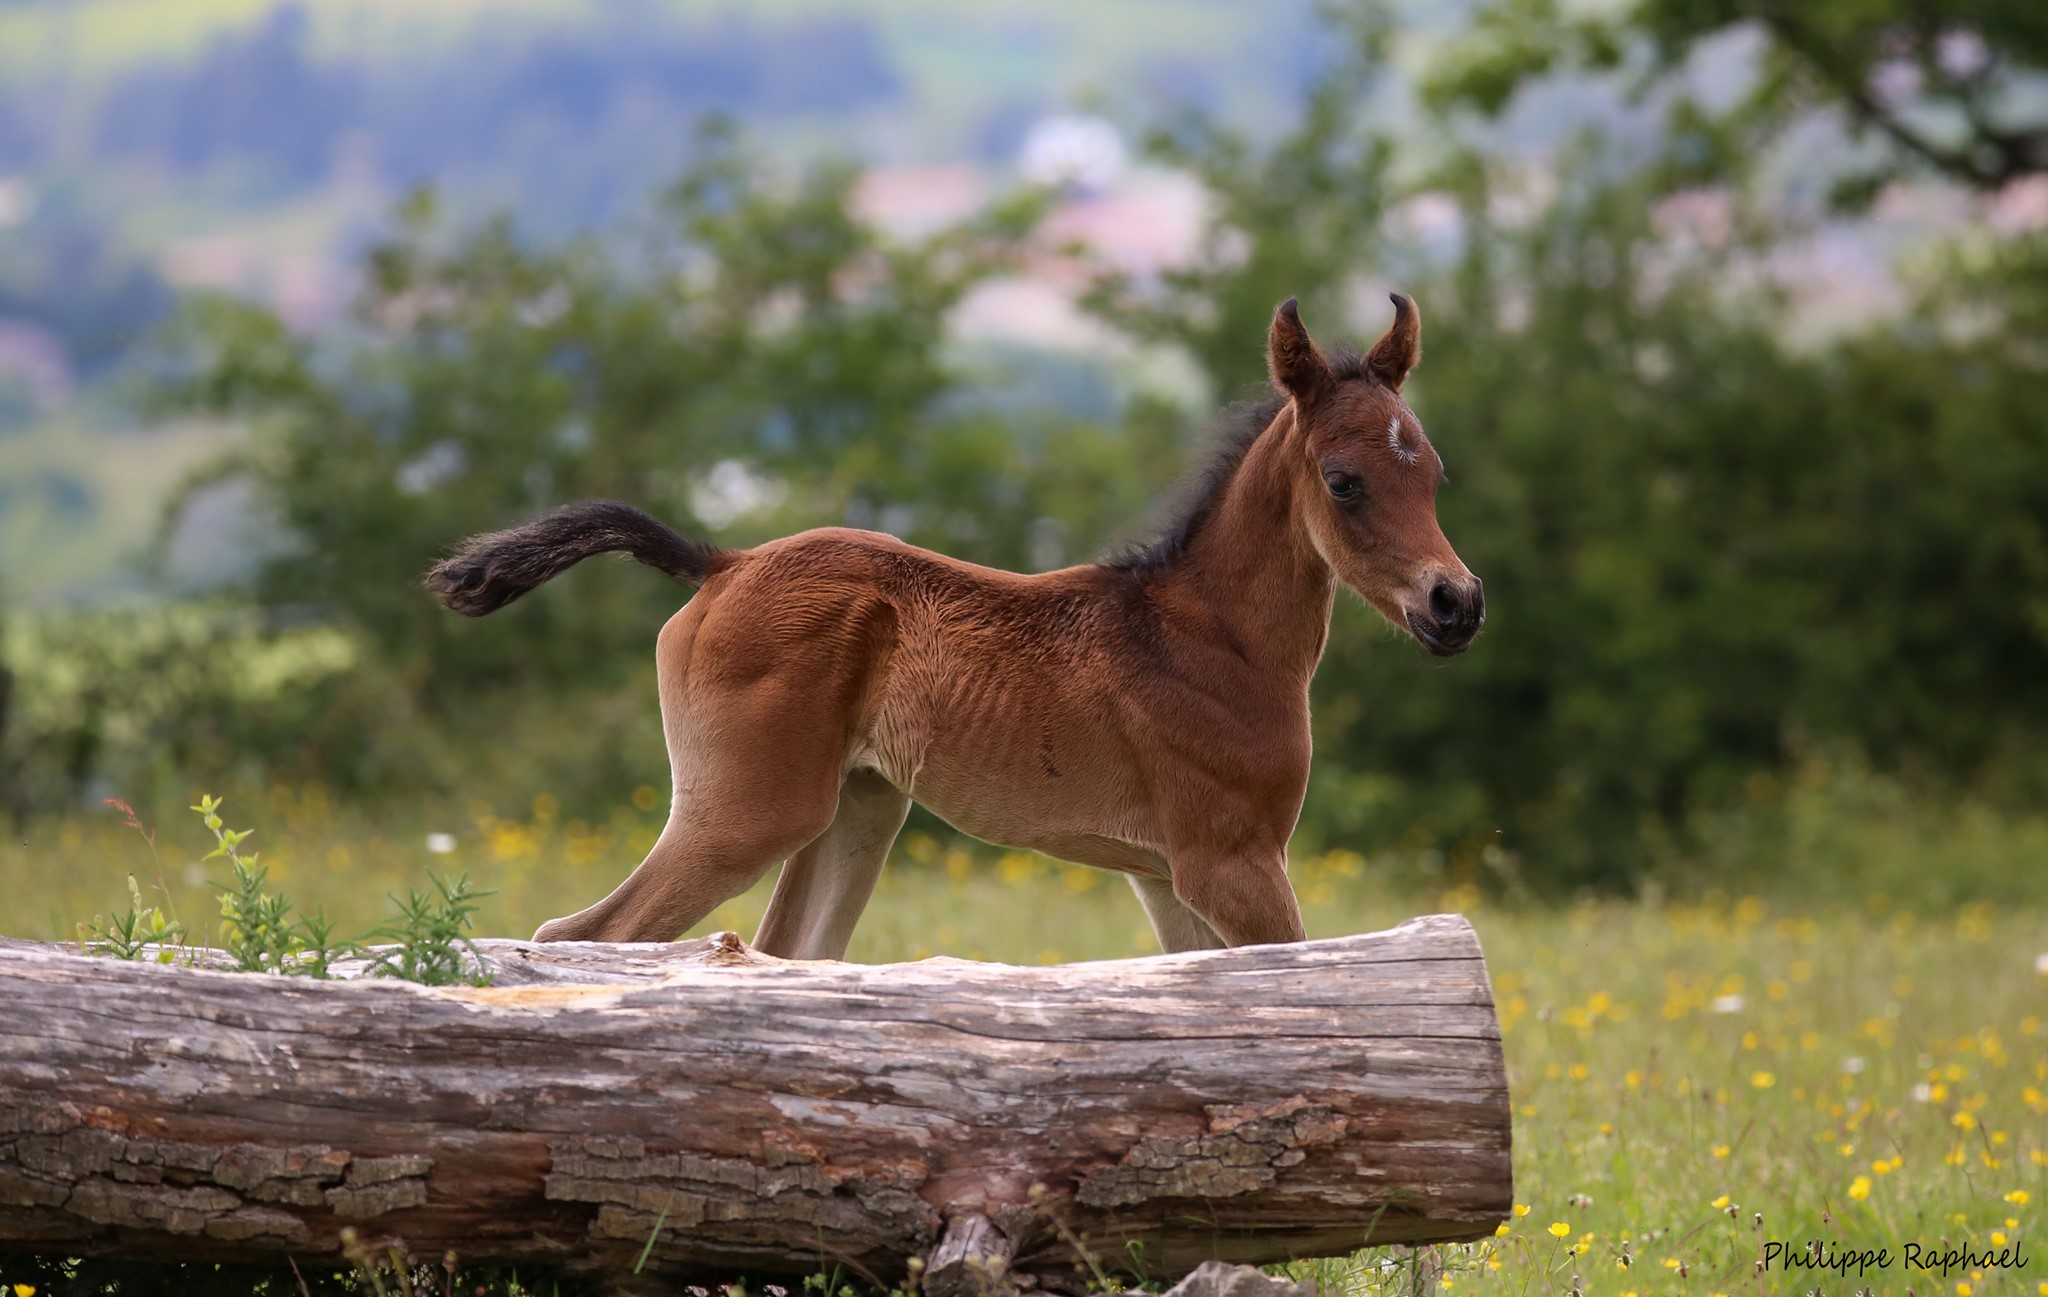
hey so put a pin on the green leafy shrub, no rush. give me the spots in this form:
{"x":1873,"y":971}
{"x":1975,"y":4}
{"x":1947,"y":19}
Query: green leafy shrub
{"x":429,"y":938}
{"x":136,"y":932}
{"x":261,"y":932}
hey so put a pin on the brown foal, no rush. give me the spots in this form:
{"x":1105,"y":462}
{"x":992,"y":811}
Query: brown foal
{"x":1148,"y":714}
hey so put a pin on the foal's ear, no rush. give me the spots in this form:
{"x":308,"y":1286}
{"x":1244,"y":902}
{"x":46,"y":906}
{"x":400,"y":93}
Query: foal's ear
{"x":1400,"y":347}
{"x":1297,"y":364}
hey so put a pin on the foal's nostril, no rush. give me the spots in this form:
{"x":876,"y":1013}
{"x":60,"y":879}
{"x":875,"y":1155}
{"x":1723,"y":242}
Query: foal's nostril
{"x":1443,"y":602}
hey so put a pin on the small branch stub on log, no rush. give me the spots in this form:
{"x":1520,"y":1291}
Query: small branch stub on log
{"x":751,"y":1115}
{"x":972,"y":1258}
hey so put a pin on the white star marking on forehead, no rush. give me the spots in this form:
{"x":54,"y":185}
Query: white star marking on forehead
{"x":1401,"y":449}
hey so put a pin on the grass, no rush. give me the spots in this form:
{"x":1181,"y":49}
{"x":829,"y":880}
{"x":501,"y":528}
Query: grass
{"x":1692,"y":1082}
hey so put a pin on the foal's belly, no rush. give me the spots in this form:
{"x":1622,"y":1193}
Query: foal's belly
{"x":1075,"y":828}
{"x":1035,"y":778}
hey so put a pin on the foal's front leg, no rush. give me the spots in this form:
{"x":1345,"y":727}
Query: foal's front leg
{"x":825,"y":886}
{"x":1177,"y":927}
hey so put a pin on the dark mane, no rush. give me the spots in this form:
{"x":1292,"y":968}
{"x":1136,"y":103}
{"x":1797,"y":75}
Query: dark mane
{"x":1235,"y":431}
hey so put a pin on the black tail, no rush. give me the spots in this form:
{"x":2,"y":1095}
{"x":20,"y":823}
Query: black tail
{"x":487,"y":572}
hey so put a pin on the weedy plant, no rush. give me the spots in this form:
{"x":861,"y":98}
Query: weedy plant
{"x":430,"y":942}
{"x":152,"y":931}
{"x":261,"y":933}
{"x":141,"y":932}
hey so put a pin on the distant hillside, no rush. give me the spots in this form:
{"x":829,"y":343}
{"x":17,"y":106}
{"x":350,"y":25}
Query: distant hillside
{"x":569,"y":108}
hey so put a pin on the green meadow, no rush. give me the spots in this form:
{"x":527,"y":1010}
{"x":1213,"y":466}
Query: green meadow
{"x":1693,"y":1081}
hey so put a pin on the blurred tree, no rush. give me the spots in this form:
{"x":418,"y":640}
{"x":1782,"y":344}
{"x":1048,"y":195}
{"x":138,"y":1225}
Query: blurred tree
{"x":1703,"y":548}
{"x":1704,"y":552}
{"x":485,"y":379}
{"x":1950,"y":85}
{"x":762,"y":361}
{"x":1325,"y":184}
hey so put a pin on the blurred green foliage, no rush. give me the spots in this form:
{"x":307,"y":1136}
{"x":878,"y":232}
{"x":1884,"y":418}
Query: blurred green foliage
{"x":1710,"y":554}
{"x":1947,"y":87}
{"x":759,"y":326}
{"x":1704,"y":552}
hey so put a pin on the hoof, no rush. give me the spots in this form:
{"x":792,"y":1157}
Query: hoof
{"x":556,"y":930}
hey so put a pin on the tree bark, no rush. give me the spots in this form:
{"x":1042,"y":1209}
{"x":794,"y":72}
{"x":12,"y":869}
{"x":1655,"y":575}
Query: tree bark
{"x":754,"y":1115}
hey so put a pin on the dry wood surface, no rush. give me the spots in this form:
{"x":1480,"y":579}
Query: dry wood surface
{"x":754,"y":1115}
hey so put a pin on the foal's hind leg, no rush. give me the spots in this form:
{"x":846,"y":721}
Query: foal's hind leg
{"x":700,"y":862}
{"x":756,"y":772}
{"x":825,"y":886}
{"x":762,"y":682}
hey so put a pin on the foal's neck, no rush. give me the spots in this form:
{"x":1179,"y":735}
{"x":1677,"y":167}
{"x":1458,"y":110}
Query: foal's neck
{"x":1254,"y":567}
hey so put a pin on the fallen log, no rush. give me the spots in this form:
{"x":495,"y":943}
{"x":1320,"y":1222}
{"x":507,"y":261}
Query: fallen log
{"x":758,"y":1116}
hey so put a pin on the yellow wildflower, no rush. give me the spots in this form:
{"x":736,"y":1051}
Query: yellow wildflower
{"x":1558,"y":1229}
{"x":1859,"y":1188}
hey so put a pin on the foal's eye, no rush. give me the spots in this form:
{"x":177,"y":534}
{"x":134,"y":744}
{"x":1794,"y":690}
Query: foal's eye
{"x":1343,"y":486}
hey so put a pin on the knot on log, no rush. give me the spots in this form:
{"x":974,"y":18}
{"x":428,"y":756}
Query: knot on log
{"x":728,"y":948}
{"x":971,"y":1260}
{"x":1219,"y":1279}
{"x":739,"y":1206}
{"x":1244,"y":1150}
{"x":87,"y":1165}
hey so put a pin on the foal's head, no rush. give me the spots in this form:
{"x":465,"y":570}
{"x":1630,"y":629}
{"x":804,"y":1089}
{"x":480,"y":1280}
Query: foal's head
{"x":1368,"y":479}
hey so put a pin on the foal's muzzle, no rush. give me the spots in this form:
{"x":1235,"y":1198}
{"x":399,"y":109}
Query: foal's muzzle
{"x":1455,"y":612}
